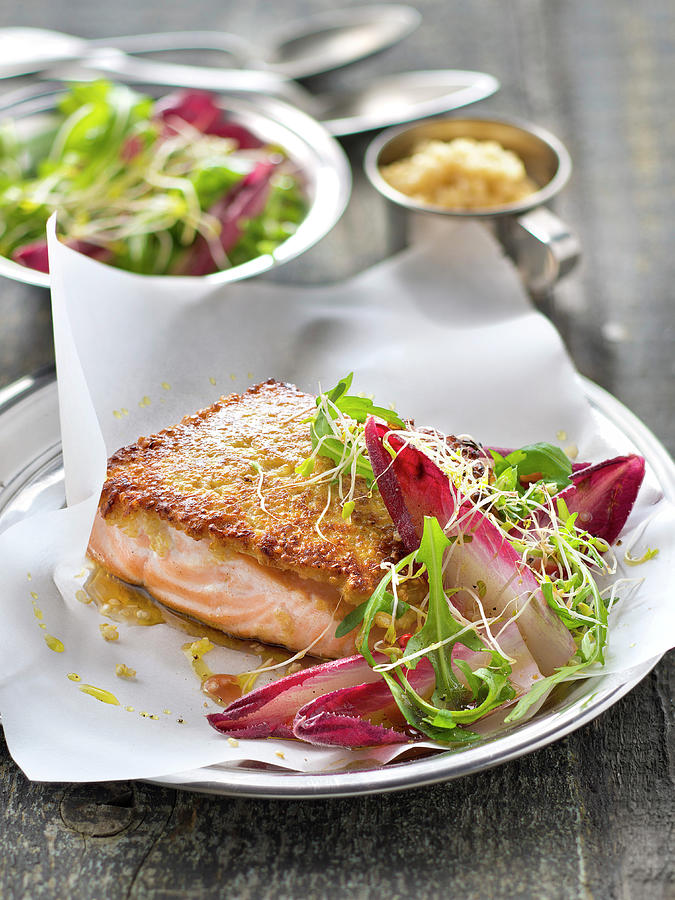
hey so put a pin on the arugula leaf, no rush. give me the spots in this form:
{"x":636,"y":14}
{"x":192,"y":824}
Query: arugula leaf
{"x":440,"y":623}
{"x":590,"y":651}
{"x":539,"y":461}
{"x":578,"y":615}
{"x":542,"y":687}
{"x":451,"y":703}
{"x":358,"y":409}
{"x":490,"y":687}
{"x":417,"y":712}
{"x":356,"y":616}
{"x":380,"y":600}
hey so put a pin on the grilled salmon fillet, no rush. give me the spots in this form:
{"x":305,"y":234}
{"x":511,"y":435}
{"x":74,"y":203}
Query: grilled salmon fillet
{"x":211,"y":518}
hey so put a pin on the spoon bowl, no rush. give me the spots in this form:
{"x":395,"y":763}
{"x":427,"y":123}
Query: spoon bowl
{"x":403,"y":98}
{"x":337,"y":38}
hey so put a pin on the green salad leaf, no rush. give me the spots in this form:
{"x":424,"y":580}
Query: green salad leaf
{"x":346,"y":445}
{"x":535,"y":462}
{"x":384,"y":604}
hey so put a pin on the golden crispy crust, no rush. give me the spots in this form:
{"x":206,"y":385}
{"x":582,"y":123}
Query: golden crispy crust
{"x":204,"y":474}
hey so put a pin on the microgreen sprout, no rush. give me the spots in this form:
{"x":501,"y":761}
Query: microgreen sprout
{"x":650,"y":553}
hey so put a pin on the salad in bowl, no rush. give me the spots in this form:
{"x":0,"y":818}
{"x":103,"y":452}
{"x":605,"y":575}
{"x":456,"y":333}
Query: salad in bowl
{"x":182,"y":185}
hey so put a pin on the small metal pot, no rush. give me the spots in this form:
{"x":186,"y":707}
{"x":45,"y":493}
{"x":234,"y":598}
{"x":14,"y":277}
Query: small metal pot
{"x":543,"y":247}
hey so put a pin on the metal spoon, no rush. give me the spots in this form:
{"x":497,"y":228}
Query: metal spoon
{"x":316,"y":44}
{"x":27,"y":50}
{"x":393,"y":99}
{"x":337,"y":38}
{"x":388,"y":100}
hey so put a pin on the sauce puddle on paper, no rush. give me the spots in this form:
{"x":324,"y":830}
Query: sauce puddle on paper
{"x":54,"y":643}
{"x":224,"y":689}
{"x":122,"y":602}
{"x":100,"y":694}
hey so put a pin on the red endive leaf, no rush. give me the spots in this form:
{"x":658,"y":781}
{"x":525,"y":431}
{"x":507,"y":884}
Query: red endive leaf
{"x":604,"y":494}
{"x":199,"y":109}
{"x":388,"y":485}
{"x":35,"y":255}
{"x":341,"y":718}
{"x":269,"y":711}
{"x":331,"y":729}
{"x":228,"y":129}
{"x":244,"y":201}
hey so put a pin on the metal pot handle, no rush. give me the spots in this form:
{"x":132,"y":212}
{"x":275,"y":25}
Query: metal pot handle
{"x":542,"y":246}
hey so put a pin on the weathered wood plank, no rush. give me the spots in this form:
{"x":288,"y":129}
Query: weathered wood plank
{"x":586,"y":817}
{"x":591,"y":816}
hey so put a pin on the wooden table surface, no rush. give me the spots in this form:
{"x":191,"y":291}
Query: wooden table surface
{"x":592,"y":815}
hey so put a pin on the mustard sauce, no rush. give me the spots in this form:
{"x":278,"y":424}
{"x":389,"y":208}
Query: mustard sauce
{"x":100,"y":694}
{"x":54,"y":643}
{"x":119,"y":601}
{"x":223,"y":689}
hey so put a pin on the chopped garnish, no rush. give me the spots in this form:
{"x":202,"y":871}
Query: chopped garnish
{"x":123,"y":671}
{"x":337,"y":429}
{"x":109,"y":632}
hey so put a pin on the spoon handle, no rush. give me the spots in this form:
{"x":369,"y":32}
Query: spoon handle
{"x":114,"y":62}
{"x":241,"y":50}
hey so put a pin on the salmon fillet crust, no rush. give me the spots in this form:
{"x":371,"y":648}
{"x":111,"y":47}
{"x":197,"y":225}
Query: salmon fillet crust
{"x":211,"y":518}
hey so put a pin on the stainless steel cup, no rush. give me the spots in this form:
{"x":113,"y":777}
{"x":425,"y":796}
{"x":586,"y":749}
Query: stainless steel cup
{"x":542,"y":246}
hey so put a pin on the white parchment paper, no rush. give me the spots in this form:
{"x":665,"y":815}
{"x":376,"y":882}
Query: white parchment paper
{"x":444,"y":331}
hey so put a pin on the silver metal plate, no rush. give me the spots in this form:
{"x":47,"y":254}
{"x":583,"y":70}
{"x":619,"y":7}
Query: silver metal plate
{"x":31,"y":481}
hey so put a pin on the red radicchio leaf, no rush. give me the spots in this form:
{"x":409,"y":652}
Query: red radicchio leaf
{"x":228,"y":129}
{"x":336,"y":719}
{"x":388,"y":484}
{"x":269,"y":711}
{"x":411,"y":485}
{"x":35,"y":255}
{"x":604,"y":494}
{"x":331,"y":729}
{"x":199,"y":109}
{"x":244,"y":201}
